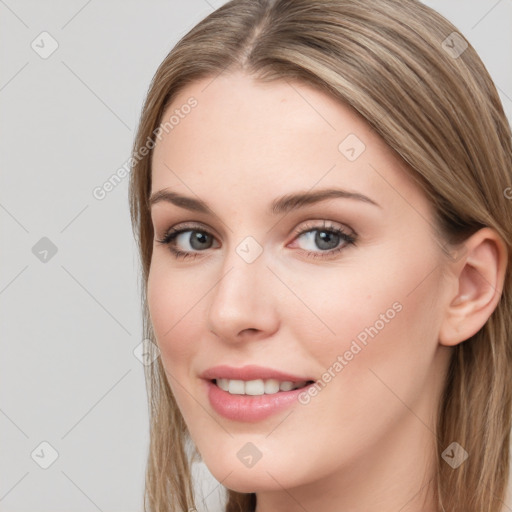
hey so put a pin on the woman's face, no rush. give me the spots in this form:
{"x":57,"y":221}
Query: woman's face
{"x":341,"y":288}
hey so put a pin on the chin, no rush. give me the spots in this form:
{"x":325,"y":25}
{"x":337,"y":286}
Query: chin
{"x":249,"y":482}
{"x":261,"y":477}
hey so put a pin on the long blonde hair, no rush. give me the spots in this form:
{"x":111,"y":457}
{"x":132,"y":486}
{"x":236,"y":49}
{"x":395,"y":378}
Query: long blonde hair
{"x":426,"y":92}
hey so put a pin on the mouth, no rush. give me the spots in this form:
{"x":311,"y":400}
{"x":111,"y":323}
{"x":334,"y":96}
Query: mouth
{"x":253,"y":400}
{"x":259,"y":387}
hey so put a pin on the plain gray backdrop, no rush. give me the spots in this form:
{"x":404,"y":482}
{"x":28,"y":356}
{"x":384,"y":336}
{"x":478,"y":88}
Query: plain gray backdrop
{"x":72,"y":395}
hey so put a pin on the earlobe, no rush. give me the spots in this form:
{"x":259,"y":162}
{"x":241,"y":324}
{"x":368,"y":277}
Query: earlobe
{"x":479,"y":277}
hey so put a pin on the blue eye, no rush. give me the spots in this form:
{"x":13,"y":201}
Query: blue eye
{"x":183,"y":242}
{"x":196,"y":240}
{"x":323,"y":241}
{"x":317,"y":241}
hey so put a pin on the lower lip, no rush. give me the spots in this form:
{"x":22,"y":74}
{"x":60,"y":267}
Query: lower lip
{"x":250,"y":408}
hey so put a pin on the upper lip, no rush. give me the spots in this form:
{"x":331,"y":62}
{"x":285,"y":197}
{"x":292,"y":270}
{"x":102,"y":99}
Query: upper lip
{"x":250,"y":372}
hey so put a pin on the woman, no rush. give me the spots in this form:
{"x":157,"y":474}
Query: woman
{"x":320,"y":193}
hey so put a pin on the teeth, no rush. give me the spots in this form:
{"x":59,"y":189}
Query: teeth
{"x":286,"y":385}
{"x":258,"y":386}
{"x":254,"y":387}
{"x":223,"y":384}
{"x":271,"y":386}
{"x":236,"y":387}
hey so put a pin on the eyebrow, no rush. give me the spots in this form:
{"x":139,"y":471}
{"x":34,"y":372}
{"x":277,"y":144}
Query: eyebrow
{"x":280,"y":205}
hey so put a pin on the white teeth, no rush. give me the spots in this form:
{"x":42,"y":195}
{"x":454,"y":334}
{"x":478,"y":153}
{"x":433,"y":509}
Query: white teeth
{"x":257,"y":387}
{"x":271,"y":386}
{"x":223,"y":384}
{"x":254,"y":387}
{"x":286,"y":385}
{"x":236,"y":387}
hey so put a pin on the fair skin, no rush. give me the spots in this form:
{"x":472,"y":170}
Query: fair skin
{"x":366,"y":441}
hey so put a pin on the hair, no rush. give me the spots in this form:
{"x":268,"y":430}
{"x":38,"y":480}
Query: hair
{"x":393,"y":62}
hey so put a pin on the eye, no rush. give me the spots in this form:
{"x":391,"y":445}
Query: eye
{"x":323,"y":240}
{"x":186,"y":241}
{"x":316,"y":240}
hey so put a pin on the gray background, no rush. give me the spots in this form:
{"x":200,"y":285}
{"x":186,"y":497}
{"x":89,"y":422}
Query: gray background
{"x":70,"y":324}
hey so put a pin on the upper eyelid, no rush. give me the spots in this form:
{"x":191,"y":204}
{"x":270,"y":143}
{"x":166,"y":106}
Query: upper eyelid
{"x":198,"y":226}
{"x":189,"y":226}
{"x":298,"y":230}
{"x":327,"y":225}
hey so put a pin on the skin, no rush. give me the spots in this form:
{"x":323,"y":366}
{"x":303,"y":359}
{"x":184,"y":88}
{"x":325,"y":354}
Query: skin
{"x":366,"y":441}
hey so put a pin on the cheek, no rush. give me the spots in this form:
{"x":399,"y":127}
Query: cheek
{"x":175,"y":310}
{"x":379,"y":320}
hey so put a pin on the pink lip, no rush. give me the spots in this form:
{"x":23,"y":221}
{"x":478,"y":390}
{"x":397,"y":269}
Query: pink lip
{"x":244,"y":407}
{"x":249,"y":372}
{"x":249,"y":408}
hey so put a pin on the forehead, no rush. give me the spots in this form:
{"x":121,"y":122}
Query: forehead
{"x":249,"y":136}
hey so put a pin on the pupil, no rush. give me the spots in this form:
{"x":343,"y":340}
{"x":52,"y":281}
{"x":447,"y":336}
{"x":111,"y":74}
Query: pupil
{"x":326,"y":240}
{"x":198,"y":240}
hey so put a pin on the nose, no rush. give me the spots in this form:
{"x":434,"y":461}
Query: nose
{"x":242,"y":305}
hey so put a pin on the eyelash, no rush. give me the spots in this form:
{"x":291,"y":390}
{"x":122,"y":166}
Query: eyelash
{"x":346,"y":239}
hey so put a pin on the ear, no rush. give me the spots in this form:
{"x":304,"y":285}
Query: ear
{"x":478,"y":277}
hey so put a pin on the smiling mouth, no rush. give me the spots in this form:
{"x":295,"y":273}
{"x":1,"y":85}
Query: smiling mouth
{"x":258,"y":387}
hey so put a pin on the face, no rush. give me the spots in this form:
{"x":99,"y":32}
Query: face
{"x":339,"y":292}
